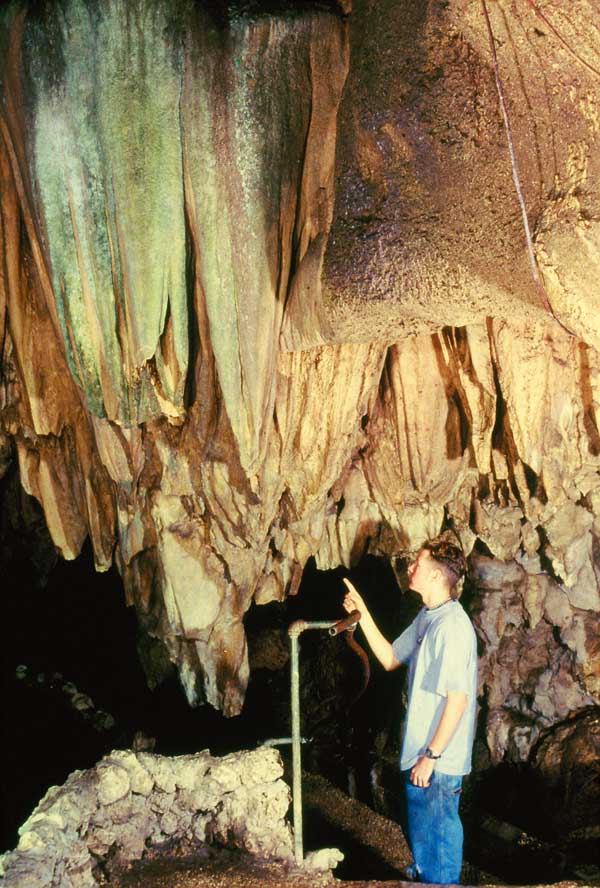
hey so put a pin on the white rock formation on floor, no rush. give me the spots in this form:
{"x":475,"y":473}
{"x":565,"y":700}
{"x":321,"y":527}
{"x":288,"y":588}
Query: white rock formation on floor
{"x":130,"y":802}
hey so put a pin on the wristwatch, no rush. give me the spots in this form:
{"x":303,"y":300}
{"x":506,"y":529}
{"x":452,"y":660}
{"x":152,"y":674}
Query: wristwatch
{"x":430,"y":754}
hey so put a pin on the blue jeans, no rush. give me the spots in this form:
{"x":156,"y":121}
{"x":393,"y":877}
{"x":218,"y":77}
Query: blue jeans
{"x":435,"y":833}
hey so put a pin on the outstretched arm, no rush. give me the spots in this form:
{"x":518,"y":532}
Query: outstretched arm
{"x":377,"y":642}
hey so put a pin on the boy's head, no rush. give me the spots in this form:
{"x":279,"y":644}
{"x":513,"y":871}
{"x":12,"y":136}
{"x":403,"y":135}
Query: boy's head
{"x":451,"y":559}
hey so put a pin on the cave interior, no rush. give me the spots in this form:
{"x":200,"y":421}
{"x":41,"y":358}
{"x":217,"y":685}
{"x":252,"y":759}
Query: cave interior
{"x":287,"y":289}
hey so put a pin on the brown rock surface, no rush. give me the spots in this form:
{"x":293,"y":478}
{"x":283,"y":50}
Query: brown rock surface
{"x":426,"y":230}
{"x":264,"y":295}
{"x":567,"y":762}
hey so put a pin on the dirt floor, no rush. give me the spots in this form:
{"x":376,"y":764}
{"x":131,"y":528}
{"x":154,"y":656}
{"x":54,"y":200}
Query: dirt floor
{"x":375,"y":852}
{"x":244,"y":873}
{"x":240,"y":871}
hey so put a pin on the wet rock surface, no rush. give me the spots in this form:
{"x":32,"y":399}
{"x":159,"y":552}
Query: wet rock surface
{"x":566,"y":765}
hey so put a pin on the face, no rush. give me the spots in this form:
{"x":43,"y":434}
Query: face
{"x":420,"y":571}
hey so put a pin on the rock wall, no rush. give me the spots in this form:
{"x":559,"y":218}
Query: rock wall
{"x":264,"y":295}
{"x":538,"y":690}
{"x":130,"y":802}
{"x":540,"y":662}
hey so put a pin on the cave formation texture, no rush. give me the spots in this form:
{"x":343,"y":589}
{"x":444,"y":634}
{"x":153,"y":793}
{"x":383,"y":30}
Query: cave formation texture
{"x":265,"y":295}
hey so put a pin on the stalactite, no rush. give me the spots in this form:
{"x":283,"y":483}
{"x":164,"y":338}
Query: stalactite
{"x":253,"y":309}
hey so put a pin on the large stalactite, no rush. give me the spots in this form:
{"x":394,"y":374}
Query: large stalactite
{"x":264,"y":295}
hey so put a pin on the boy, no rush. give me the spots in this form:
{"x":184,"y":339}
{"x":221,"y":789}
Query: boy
{"x":441,"y":651}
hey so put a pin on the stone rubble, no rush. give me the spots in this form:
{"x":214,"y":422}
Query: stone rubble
{"x":130,"y":802}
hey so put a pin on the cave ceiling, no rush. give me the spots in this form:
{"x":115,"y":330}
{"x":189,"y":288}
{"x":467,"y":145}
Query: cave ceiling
{"x":265,"y":295}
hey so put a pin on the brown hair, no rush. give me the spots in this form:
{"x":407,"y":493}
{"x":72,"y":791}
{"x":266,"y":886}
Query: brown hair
{"x":451,"y":559}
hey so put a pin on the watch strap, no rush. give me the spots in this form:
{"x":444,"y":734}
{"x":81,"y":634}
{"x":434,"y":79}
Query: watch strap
{"x":429,"y":753}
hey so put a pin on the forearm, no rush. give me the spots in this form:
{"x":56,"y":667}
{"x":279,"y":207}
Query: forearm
{"x":378,"y":643}
{"x":452,"y":713}
{"x":447,"y":725}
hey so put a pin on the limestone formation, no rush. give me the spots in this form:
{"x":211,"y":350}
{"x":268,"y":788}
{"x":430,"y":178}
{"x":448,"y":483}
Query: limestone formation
{"x":566,"y":762}
{"x":539,"y":664}
{"x":264,"y":295}
{"x":129,"y":803}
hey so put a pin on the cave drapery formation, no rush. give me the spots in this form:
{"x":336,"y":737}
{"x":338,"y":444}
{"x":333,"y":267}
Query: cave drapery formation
{"x":264,"y":295}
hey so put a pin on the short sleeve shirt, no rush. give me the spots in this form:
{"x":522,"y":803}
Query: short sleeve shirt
{"x":440,"y":648}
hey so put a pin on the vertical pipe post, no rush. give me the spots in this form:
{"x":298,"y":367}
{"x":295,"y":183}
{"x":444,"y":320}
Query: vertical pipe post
{"x":294,"y":632}
{"x":296,"y":757}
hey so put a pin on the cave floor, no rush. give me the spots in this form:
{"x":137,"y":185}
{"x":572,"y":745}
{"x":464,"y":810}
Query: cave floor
{"x":376,"y":854}
{"x":188,"y":872}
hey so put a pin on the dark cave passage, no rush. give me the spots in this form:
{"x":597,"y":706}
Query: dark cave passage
{"x":71,"y":644}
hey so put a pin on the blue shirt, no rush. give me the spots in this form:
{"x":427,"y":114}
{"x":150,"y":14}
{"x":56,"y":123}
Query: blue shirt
{"x":440,"y":647}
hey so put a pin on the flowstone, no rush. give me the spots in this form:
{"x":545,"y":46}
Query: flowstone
{"x":265,"y":296}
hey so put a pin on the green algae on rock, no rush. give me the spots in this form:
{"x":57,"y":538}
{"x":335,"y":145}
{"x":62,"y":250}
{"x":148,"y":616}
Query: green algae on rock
{"x":107,"y":160}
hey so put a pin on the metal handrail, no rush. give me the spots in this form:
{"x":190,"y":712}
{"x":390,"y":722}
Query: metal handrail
{"x":294,"y":631}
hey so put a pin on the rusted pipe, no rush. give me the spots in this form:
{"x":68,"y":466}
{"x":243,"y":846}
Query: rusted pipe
{"x":349,"y":623}
{"x":294,"y":632}
{"x":364,"y":660}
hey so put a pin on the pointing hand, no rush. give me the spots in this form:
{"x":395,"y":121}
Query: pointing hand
{"x":353,"y":599}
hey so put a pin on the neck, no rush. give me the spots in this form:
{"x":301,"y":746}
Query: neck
{"x":436,"y":597}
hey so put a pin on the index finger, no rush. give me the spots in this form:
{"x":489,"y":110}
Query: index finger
{"x":349,"y":585}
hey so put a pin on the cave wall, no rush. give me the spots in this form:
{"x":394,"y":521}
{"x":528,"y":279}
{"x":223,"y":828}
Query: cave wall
{"x":264,"y":295}
{"x":427,"y":230}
